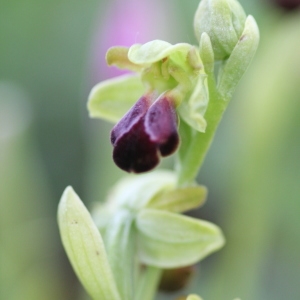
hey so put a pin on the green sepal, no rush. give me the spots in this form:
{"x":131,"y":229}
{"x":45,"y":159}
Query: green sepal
{"x":187,"y":134}
{"x":156,"y":50}
{"x":180,"y":199}
{"x":168,"y":240}
{"x":112,"y":98}
{"x":192,"y":110}
{"x":85,"y":248}
{"x":239,"y":60}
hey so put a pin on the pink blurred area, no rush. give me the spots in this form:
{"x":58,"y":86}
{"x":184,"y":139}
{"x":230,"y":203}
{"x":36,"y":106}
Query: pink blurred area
{"x":126,"y":22}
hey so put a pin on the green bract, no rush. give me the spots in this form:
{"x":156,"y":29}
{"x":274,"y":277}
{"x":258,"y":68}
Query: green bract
{"x":165,"y":238}
{"x":162,"y":67}
{"x":155,"y":190}
{"x":169,"y":240}
{"x":85,"y":248}
{"x":140,"y":218}
{"x":240,"y":58}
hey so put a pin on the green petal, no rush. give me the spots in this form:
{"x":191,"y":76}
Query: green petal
{"x":192,"y":110}
{"x":180,"y":199}
{"x":155,"y":51}
{"x":112,"y":98}
{"x":169,"y":240}
{"x":118,"y":56}
{"x":84,"y":246}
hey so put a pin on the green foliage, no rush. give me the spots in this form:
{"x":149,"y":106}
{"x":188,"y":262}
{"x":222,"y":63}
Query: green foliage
{"x":141,"y":221}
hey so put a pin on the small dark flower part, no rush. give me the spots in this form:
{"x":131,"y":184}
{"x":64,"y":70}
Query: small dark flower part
{"x":147,"y":131}
{"x":174,"y":280}
{"x":287,"y":4}
{"x":161,"y":125}
{"x":132,"y":117}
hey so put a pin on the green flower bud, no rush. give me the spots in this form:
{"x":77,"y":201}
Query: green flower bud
{"x":223,"y":21}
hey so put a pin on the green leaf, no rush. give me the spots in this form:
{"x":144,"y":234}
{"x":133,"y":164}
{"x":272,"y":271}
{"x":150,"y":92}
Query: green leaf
{"x":112,"y":98}
{"x":240,"y":58}
{"x":180,"y":199}
{"x":154,"y":51}
{"x":85,"y":249}
{"x":169,"y":240}
{"x":192,"y":110}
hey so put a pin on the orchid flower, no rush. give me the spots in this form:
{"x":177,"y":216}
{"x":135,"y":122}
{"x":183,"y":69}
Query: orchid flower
{"x":171,"y":81}
{"x":173,"y":85}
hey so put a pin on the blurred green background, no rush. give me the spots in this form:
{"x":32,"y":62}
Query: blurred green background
{"x":52,"y":53}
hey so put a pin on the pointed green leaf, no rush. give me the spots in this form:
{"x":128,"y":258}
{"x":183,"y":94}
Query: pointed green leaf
{"x":180,"y":199}
{"x":85,"y":249}
{"x":154,"y":51}
{"x":112,"y":98}
{"x":169,"y":240}
{"x":207,"y":53}
{"x":240,"y":58}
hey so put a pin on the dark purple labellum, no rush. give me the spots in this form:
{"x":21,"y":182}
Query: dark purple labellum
{"x":161,"y":125}
{"x":132,"y":117}
{"x":144,"y":133}
{"x":134,"y":152}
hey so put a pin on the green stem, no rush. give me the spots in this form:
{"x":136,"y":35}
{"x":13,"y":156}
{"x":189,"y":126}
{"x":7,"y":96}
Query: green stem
{"x":148,"y":283}
{"x":201,"y":142}
{"x":120,"y":246}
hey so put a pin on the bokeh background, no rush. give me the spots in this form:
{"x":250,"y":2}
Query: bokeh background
{"x":52,"y":53}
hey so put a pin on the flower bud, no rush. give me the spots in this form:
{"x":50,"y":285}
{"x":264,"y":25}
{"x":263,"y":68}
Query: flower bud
{"x":223,"y":21}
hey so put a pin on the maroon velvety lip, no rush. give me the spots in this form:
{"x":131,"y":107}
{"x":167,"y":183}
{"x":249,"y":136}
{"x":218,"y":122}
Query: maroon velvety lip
{"x":161,"y":125}
{"x":147,"y":131}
